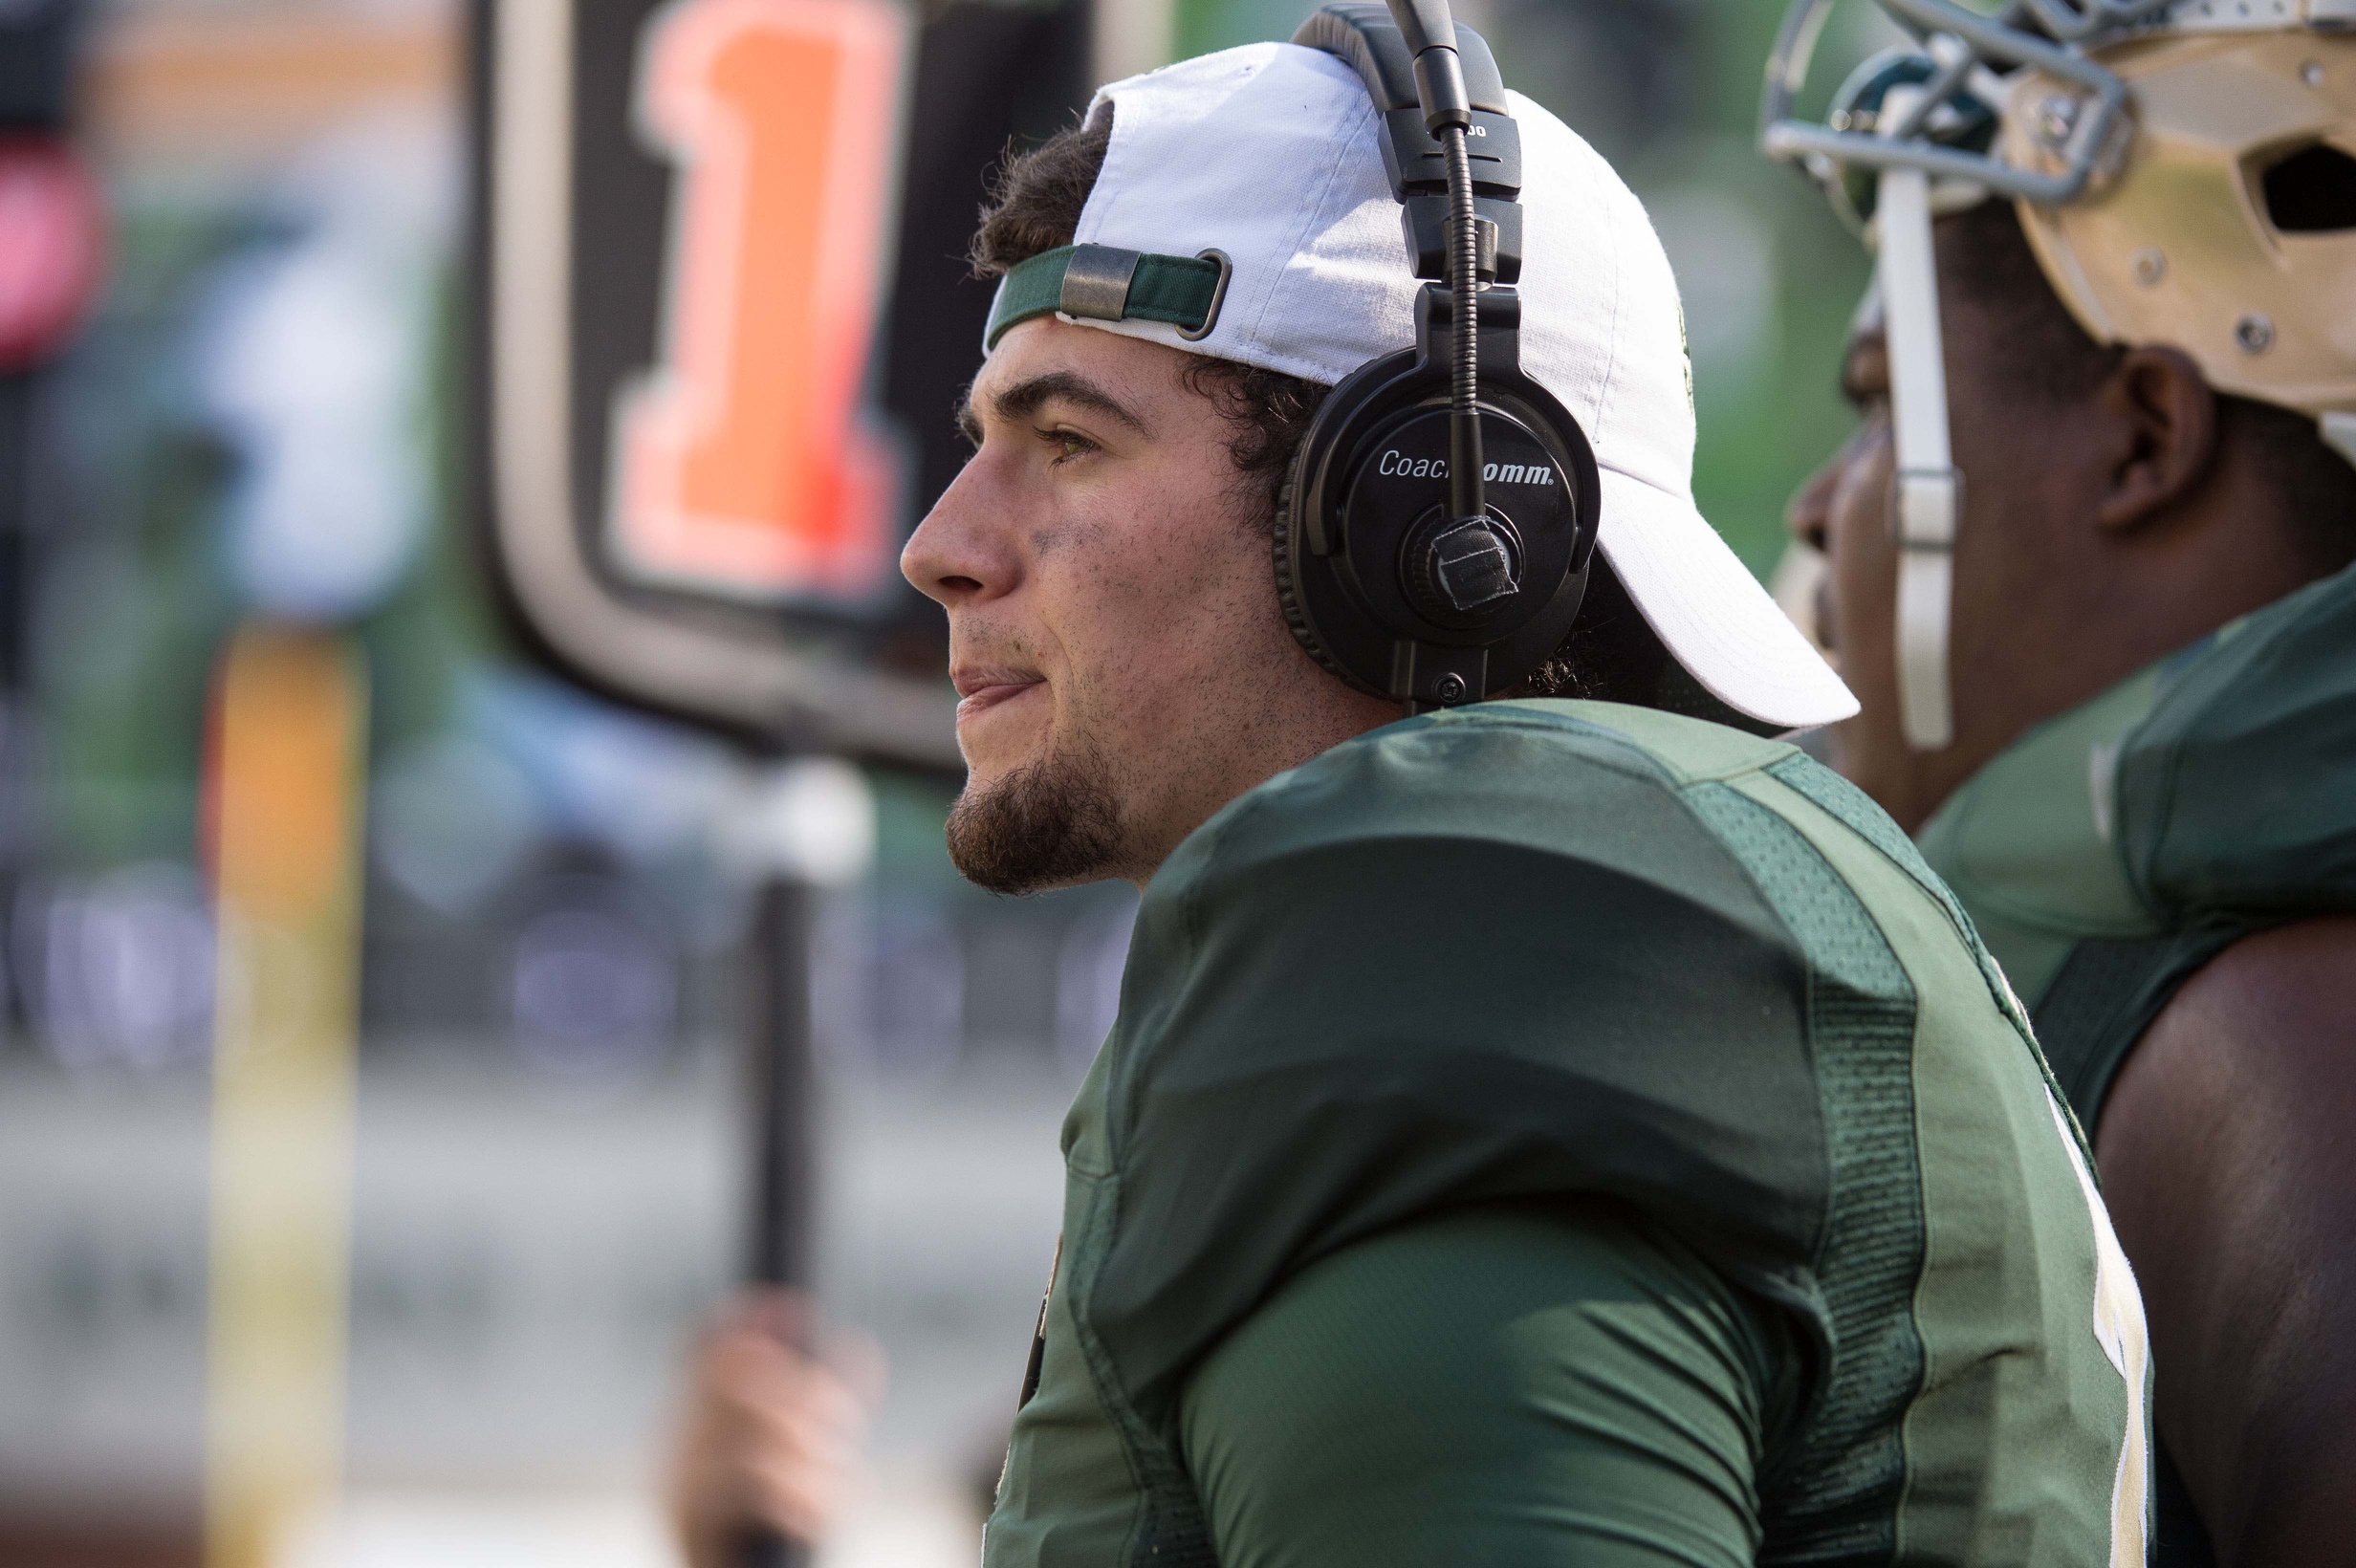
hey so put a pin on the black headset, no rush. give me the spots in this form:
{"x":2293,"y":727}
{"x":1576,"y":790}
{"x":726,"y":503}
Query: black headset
{"x":1433,"y":534}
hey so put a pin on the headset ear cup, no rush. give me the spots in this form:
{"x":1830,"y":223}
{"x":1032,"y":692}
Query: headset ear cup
{"x":1288,"y":589}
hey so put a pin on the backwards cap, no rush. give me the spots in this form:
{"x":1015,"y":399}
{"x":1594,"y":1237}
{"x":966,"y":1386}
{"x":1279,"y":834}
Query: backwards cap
{"x":1270,"y":155}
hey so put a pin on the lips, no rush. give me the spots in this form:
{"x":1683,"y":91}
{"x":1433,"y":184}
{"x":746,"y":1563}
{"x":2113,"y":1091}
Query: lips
{"x":978,"y":690}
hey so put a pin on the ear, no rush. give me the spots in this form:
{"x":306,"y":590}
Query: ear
{"x":2166,"y":419}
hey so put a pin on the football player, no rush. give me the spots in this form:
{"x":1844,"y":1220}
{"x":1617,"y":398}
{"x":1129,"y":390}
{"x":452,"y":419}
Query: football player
{"x":2087,"y":573}
{"x":1567,"y":1127}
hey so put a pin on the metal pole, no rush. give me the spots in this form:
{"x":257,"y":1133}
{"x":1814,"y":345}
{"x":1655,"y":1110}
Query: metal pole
{"x":784,"y":1164}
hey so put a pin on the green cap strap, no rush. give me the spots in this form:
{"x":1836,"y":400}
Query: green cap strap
{"x":1105,"y":283}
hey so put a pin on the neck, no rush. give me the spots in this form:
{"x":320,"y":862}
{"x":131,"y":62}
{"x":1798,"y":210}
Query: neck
{"x":1254,"y":746}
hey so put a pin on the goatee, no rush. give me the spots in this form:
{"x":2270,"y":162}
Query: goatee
{"x":1051,"y":824}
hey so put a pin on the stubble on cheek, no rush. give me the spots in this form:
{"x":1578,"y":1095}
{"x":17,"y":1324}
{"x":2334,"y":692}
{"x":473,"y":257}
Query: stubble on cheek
{"x":1051,"y":815}
{"x":1150,"y":591}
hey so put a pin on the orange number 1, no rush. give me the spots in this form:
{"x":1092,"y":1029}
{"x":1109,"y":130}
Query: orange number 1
{"x":742,"y":463}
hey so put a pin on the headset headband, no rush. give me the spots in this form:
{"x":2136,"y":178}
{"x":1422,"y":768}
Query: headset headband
{"x":1365,"y":37}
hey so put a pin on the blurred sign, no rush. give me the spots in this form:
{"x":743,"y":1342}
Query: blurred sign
{"x":746,"y":463}
{"x":686,"y":215}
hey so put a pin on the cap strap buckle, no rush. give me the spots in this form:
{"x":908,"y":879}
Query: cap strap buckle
{"x":1106,"y":283}
{"x":1095,"y":281}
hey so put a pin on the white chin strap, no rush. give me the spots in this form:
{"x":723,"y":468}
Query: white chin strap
{"x":1929,"y":490}
{"x":2340,"y":433}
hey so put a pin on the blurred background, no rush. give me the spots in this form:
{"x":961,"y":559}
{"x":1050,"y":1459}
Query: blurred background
{"x":382,"y":979}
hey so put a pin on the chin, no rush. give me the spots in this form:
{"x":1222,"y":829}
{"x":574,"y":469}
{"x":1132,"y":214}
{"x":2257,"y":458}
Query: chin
{"x":1051,"y":821}
{"x":993,"y":752}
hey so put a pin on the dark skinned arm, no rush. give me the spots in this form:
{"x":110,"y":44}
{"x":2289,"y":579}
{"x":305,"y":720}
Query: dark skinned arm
{"x":2228,"y":1151}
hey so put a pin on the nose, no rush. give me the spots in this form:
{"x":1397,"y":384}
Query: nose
{"x":1809,"y":514}
{"x":955,"y":555}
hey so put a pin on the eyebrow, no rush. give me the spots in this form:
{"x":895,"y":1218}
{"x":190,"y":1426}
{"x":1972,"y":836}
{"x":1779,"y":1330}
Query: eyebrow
{"x":962,"y":416}
{"x":1026,"y":398}
{"x":1852,"y":376}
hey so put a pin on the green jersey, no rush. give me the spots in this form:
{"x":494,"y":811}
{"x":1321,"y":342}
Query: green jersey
{"x":2109,"y":853}
{"x":1560,"y":1131}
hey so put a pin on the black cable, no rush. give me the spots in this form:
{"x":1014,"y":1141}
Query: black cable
{"x":1464,"y":431}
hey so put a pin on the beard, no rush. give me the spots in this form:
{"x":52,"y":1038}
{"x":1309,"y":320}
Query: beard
{"x":1053,"y":823}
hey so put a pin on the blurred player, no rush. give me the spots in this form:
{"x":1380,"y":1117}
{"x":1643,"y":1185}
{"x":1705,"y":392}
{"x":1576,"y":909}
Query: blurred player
{"x":2107,"y":645}
{"x":1538,"y":1130}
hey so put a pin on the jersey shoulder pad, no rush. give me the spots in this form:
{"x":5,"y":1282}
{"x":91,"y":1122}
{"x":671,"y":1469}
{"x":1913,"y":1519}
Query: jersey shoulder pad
{"x":1490,"y":954}
{"x":2236,"y":797}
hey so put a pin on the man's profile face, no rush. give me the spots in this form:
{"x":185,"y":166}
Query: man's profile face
{"x":1113,"y":633}
{"x":1844,"y":510}
{"x":2013,"y":565}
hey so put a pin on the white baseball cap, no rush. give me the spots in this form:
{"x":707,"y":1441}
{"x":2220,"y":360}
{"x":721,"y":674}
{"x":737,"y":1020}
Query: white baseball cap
{"x":1269,"y":153}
